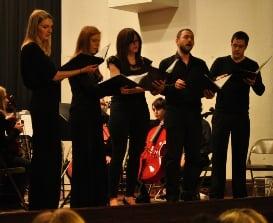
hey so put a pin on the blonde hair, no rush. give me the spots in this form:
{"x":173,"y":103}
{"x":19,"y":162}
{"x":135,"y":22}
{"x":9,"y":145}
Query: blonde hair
{"x":244,"y":215}
{"x":3,"y":95}
{"x":63,"y":215}
{"x":36,"y":17}
{"x":83,"y":42}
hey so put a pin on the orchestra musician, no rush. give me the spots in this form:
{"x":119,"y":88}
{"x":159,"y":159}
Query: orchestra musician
{"x":151,"y":169}
{"x":10,"y":154}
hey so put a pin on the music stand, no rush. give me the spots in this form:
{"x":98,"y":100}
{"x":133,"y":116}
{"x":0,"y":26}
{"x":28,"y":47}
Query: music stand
{"x":65,"y":132}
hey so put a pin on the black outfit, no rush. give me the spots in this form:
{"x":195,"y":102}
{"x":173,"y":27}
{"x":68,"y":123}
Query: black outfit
{"x":183,"y":126}
{"x":45,"y":179}
{"x":88,"y":187}
{"x":231,"y":118}
{"x":129,"y":117}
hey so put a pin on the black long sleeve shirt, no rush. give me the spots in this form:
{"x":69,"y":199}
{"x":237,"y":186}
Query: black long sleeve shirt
{"x":234,"y":95}
{"x":189,"y":97}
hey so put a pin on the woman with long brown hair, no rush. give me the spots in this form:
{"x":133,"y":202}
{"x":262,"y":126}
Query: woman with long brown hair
{"x":88,"y":187}
{"x":41,"y":76}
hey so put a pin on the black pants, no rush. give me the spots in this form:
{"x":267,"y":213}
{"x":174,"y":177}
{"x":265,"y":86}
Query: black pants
{"x":238,"y":126}
{"x":184,"y":130}
{"x":128,"y":120}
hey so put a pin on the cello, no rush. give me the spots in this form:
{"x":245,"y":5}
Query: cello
{"x":150,"y":169}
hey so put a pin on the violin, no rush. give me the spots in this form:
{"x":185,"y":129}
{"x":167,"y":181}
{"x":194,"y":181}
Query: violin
{"x":14,"y":145}
{"x":151,"y":170}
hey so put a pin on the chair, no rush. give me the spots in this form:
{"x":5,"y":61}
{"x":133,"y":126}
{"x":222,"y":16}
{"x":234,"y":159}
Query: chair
{"x":260,"y":160}
{"x":9,"y":172}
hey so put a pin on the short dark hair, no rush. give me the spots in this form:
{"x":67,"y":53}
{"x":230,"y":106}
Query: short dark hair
{"x":159,"y":103}
{"x":181,"y":30}
{"x":240,"y":35}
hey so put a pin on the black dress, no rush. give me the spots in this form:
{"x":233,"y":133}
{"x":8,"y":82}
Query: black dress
{"x":88,"y":186}
{"x":45,"y":179}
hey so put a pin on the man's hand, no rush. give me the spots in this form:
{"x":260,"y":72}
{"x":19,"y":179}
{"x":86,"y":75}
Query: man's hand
{"x":249,"y":81}
{"x":180,"y":84}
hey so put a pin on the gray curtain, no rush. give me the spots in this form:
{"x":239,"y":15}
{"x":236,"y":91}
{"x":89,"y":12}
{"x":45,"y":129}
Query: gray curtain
{"x":13,"y":20}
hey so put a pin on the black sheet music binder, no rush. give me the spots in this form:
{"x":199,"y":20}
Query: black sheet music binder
{"x":202,"y":83}
{"x":112,"y":85}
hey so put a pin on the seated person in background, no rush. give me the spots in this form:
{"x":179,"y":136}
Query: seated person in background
{"x":243,"y":215}
{"x":206,"y":139}
{"x":10,"y":154}
{"x":104,"y":104}
{"x":63,"y":215}
{"x":150,"y":170}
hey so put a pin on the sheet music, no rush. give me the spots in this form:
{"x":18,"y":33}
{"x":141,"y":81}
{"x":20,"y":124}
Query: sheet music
{"x":137,"y":78}
{"x":103,"y":52}
{"x":254,"y":73}
{"x":263,"y":64}
{"x":27,"y":125}
{"x":170,"y":68}
{"x":222,"y":79}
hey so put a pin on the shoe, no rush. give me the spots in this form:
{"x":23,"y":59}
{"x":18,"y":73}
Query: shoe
{"x":113,"y":202}
{"x":129,"y":200}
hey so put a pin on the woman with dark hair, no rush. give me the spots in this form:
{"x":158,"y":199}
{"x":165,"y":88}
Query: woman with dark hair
{"x":129,"y":116}
{"x":41,"y":76}
{"x":88,"y":186}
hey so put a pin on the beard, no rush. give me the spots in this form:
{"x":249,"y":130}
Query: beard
{"x":186,"y":49}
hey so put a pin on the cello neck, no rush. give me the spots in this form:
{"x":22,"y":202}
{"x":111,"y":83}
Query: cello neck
{"x":157,"y":132}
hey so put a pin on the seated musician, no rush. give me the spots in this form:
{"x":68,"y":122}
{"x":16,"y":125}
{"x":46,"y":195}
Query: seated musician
{"x":158,"y":135}
{"x":10,"y":154}
{"x":104,"y":104}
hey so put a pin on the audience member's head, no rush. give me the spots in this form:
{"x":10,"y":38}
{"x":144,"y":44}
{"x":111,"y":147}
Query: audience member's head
{"x":43,"y":217}
{"x":63,"y":215}
{"x":244,"y":215}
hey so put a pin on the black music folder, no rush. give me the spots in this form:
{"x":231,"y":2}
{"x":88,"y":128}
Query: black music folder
{"x":85,"y":59}
{"x":112,"y":85}
{"x":202,"y":83}
{"x":253,"y":74}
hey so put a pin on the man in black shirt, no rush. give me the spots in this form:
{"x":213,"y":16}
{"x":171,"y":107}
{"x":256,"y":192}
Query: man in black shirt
{"x":231,"y":116}
{"x":183,"y":116}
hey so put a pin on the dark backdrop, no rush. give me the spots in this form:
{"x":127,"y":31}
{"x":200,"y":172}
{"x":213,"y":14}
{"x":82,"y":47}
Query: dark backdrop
{"x":13,"y":21}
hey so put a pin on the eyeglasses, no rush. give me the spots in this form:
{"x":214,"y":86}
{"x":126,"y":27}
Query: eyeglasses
{"x":135,"y":41}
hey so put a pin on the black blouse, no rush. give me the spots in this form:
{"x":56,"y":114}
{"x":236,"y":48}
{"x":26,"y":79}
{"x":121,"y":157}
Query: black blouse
{"x":139,"y":68}
{"x":84,"y":86}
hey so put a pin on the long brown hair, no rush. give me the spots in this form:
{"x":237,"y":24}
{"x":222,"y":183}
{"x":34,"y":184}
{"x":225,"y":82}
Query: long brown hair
{"x":3,"y":95}
{"x":36,"y":17}
{"x":124,"y":38}
{"x":83,"y":42}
